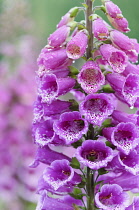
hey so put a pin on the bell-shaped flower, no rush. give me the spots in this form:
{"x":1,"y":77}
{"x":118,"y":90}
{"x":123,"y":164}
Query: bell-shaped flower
{"x":47,"y":156}
{"x":100,"y":29}
{"x":77,"y":45}
{"x":60,"y":173}
{"x":97,"y":107}
{"x":44,"y":109}
{"x":115,"y":17}
{"x":126,"y":44}
{"x":50,"y":87}
{"x":94,"y":154}
{"x":70,"y":127}
{"x":61,"y":203}
{"x":127,"y":87}
{"x":123,"y":162}
{"x":111,"y":197}
{"x":58,"y":38}
{"x":131,"y":69}
{"x":119,"y":117}
{"x":90,"y":77}
{"x":124,"y":136}
{"x":117,"y":59}
{"x":50,"y":59}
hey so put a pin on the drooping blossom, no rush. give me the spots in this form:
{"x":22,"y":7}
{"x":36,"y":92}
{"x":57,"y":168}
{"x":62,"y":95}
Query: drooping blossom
{"x":77,"y":45}
{"x":117,"y":59}
{"x":94,"y":154}
{"x":97,"y":107}
{"x":112,"y":197}
{"x":70,"y":127}
{"x":91,"y":77}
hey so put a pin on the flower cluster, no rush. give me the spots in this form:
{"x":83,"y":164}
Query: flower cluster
{"x":100,"y":159}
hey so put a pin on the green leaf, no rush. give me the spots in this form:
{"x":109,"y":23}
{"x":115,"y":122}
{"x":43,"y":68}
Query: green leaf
{"x":75,"y":163}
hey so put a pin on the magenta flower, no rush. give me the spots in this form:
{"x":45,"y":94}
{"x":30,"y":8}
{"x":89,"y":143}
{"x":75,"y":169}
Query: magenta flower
{"x":134,"y":205}
{"x":119,"y":117}
{"x":97,"y":107}
{"x":77,"y":45}
{"x":124,"y":136}
{"x":58,"y":38}
{"x":70,"y":127}
{"x":94,"y":154}
{"x":131,"y":69}
{"x":100,"y":29}
{"x":125,"y":87}
{"x":90,"y":77}
{"x":115,"y":17}
{"x":50,"y":59}
{"x":60,"y":173}
{"x":111,"y":197}
{"x":117,"y":59}
{"x":126,"y":44}
{"x":50,"y":87}
{"x":62,"y":203}
{"x":43,"y":132}
{"x":47,"y":156}
{"x":44,"y":109}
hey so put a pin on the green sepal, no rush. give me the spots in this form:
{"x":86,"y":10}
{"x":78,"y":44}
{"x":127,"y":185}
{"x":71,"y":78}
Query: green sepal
{"x":82,"y":184}
{"x":107,"y":89}
{"x":74,"y":105}
{"x":98,"y":183}
{"x":102,"y":171}
{"x":81,"y":27}
{"x":77,"y":194}
{"x":72,"y":25}
{"x":103,"y":9}
{"x":109,"y":144}
{"x":75,"y":163}
{"x":107,"y":123}
{"x":85,"y":5}
{"x":73,"y":70}
{"x":74,"y":11}
{"x":77,"y":143}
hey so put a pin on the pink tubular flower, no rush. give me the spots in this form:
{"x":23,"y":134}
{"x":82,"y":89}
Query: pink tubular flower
{"x":111,"y":197}
{"x":100,"y":29}
{"x":51,"y":59}
{"x":91,"y":77}
{"x":115,"y":17}
{"x":124,"y":136}
{"x":97,"y":107}
{"x":58,"y":38}
{"x":125,"y":87}
{"x":70,"y":127}
{"x":50,"y":87}
{"x":117,"y":59}
{"x":123,"y":42}
{"x":77,"y":45}
{"x":94,"y":154}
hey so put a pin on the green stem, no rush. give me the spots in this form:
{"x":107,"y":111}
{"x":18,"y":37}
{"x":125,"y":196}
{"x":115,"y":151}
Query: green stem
{"x":90,"y":183}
